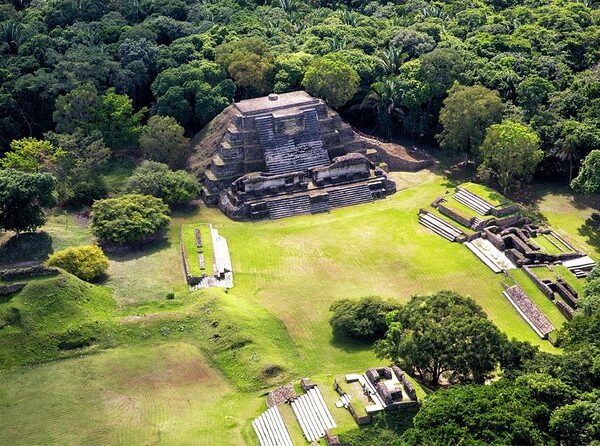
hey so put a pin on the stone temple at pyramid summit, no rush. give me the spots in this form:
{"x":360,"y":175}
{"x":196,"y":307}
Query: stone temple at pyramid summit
{"x":289,"y":154}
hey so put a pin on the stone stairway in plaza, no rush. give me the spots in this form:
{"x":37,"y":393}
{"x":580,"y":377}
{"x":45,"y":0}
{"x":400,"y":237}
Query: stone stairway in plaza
{"x":472,"y":201}
{"x":350,"y":195}
{"x":312,"y":414}
{"x":288,"y":206}
{"x":270,"y":429}
{"x":440,"y":226}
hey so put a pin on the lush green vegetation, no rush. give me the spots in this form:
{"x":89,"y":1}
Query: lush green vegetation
{"x":280,"y":266}
{"x":154,"y":70}
{"x":89,"y":89}
{"x":129,"y":218}
{"x":361,"y":318}
{"x":53,"y":318}
{"x":87,"y":262}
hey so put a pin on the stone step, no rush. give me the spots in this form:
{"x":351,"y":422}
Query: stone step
{"x":289,"y":206}
{"x":437,"y":229}
{"x":442,"y":224}
{"x":475,"y":198}
{"x":350,"y":196}
{"x":322,"y":206}
{"x":476,"y":204}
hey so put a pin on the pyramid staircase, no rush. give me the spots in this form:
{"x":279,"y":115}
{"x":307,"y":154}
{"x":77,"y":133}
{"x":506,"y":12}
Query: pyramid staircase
{"x":350,"y":195}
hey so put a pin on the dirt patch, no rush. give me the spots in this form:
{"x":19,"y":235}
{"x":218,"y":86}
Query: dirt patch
{"x":168,"y":366}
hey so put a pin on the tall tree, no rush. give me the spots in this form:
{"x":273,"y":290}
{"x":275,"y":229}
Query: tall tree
{"x":511,"y":152}
{"x":162,"y":139}
{"x":442,"y":333}
{"x":32,"y":155}
{"x":249,"y":62}
{"x":588,"y":180}
{"x":465,"y":116}
{"x":333,"y":80}
{"x":23,"y":197}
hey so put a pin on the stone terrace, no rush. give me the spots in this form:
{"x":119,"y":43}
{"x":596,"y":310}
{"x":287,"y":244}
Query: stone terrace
{"x":290,"y":154}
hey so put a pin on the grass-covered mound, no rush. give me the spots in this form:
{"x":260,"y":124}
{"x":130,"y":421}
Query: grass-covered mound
{"x":50,"y":318}
{"x":250,"y":346}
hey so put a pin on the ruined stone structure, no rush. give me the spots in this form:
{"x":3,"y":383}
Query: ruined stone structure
{"x":290,"y":154}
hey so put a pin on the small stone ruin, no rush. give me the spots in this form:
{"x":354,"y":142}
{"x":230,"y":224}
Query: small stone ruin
{"x":289,"y":154}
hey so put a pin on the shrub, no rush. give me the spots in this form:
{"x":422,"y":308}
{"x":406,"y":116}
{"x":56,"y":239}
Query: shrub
{"x":87,"y":262}
{"x":129,"y":218}
{"x":156,"y":179}
{"x":170,"y":296}
{"x":362,"y":318}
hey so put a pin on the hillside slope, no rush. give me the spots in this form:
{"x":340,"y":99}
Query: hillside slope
{"x":51,"y":317}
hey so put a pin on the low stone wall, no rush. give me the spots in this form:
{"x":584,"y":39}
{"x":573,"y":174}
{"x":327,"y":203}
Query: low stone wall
{"x":361,"y":420}
{"x":564,"y":309}
{"x":408,"y":387}
{"x":5,"y":290}
{"x":568,"y":296}
{"x":494,"y":239}
{"x":502,"y":212}
{"x":27,"y":272}
{"x":541,"y":285}
{"x":454,"y":215}
{"x":191,"y":280}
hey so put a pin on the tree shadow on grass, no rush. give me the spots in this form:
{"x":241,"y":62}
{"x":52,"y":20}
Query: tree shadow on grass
{"x":591,"y":231}
{"x":122,"y":253}
{"x":27,"y":248}
{"x":350,"y":345}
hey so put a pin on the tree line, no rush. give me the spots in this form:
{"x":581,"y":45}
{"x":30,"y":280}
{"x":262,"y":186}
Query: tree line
{"x":513,"y":86}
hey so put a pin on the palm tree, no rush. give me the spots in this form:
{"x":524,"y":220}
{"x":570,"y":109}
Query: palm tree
{"x":569,"y":152}
{"x":390,"y":59}
{"x":382,"y":99}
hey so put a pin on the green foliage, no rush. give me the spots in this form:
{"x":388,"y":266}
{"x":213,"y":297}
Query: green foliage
{"x":289,"y":71}
{"x":501,"y":414}
{"x":51,"y":317}
{"x":588,"y":180}
{"x":249,"y":62}
{"x":111,"y":114}
{"x":511,"y":151}
{"x":465,"y":116}
{"x":577,"y":424}
{"x":31,"y":155}
{"x":442,"y":333}
{"x":331,"y":79}
{"x":162,"y":139}
{"x":152,"y":178}
{"x":361,"y":318}
{"x":77,"y":173}
{"x":23,"y":197}
{"x":129,"y":218}
{"x":87,"y":262}
{"x":192,"y":93}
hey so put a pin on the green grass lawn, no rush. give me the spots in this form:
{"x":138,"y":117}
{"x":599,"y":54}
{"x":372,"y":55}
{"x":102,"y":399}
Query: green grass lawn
{"x":191,"y":250}
{"x":568,"y":216}
{"x":272,"y":327}
{"x":546,"y":245}
{"x":155,"y":394}
{"x":490,"y":195}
